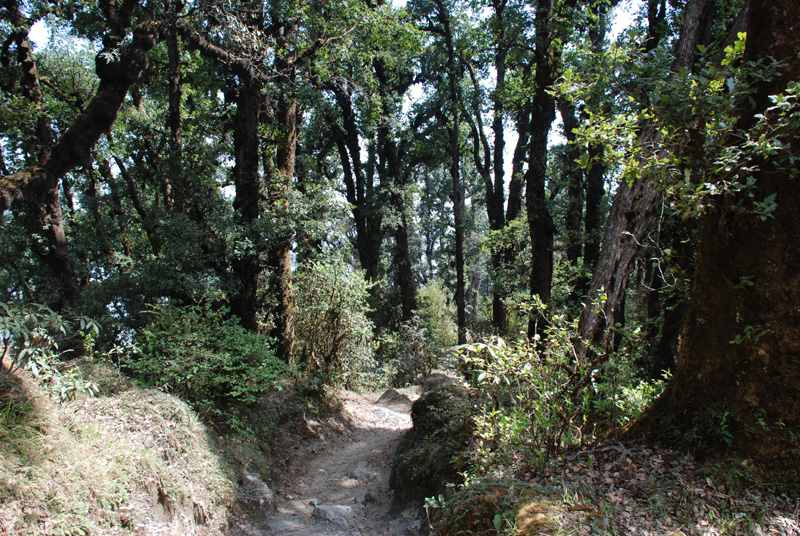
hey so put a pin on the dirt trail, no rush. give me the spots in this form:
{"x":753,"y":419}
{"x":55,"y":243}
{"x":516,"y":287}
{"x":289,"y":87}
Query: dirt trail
{"x":340,"y":486}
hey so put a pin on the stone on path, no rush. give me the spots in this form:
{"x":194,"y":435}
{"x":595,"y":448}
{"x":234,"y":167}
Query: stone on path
{"x":393,"y":397}
{"x":337,"y":514}
{"x":363,"y":472}
{"x":255,"y":497}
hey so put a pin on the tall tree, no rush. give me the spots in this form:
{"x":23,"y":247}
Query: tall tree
{"x":506,"y":42}
{"x":118,"y":67}
{"x":438,"y":19}
{"x":631,"y":215}
{"x":546,"y":58}
{"x":738,"y":358}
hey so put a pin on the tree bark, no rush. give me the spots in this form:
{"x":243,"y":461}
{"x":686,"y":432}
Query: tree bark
{"x":738,"y":365}
{"x":454,"y":138}
{"x":495,"y":203}
{"x":540,"y":221}
{"x":632,"y":212}
{"x":174,"y":190}
{"x":358,"y":188}
{"x":246,"y":203}
{"x":573,"y":219}
{"x":279,"y":258}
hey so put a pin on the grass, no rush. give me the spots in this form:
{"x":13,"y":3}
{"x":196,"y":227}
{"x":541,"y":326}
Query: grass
{"x":138,"y":461}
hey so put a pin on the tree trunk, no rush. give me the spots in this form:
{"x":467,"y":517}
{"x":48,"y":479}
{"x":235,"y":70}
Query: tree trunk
{"x":573,"y":219}
{"x":393,"y":174}
{"x":454,"y":131}
{"x":458,"y":221}
{"x":246,"y":204}
{"x":595,"y":176}
{"x":540,"y":221}
{"x":514,"y":207}
{"x":174,"y":191}
{"x":279,"y":258}
{"x":631,"y":214}
{"x":358,"y":189}
{"x":737,"y":383}
{"x":595,"y":190}
{"x":495,"y":205}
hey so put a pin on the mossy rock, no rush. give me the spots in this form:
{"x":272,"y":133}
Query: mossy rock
{"x":432,"y":453}
{"x":490,"y":508}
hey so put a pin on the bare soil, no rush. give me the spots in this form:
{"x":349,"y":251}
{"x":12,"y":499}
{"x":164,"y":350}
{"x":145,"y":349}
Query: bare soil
{"x":337,"y":483}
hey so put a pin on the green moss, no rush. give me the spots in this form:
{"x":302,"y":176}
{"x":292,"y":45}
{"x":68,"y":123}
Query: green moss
{"x":433,"y":454}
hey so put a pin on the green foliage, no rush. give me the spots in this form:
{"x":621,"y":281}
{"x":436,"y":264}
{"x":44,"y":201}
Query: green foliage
{"x":420,"y":344}
{"x":705,"y":155}
{"x":30,"y":335}
{"x":334,"y":335}
{"x":409,"y":353}
{"x":542,"y":401}
{"x":531,"y":409}
{"x":437,"y":312}
{"x":203,"y":355}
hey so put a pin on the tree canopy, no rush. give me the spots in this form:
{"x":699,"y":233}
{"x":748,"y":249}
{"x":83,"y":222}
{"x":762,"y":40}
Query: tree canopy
{"x":345,"y":181}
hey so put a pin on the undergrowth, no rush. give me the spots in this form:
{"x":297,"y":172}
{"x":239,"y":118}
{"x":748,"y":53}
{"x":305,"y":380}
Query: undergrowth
{"x":545,"y":456}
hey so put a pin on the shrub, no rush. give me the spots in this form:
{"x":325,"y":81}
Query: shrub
{"x":543,"y":401}
{"x":30,"y":336}
{"x":420,"y":344}
{"x":411,"y":353}
{"x":437,"y":314}
{"x":531,"y":409}
{"x":334,"y":335}
{"x":204,"y":356}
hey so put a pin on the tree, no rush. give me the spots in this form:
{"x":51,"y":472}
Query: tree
{"x":505,"y":49}
{"x":439,"y":20}
{"x":737,"y":380}
{"x":631,"y":215}
{"x":546,"y":57}
{"x":118,"y":67}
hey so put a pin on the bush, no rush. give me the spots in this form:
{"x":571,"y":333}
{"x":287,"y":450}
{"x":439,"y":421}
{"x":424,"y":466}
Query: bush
{"x":543,"y":401}
{"x":334,"y":335}
{"x":410,"y":353}
{"x":30,"y":336}
{"x":205,"y":357}
{"x":437,"y":313}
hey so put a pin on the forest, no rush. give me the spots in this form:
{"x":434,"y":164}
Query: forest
{"x":581,"y":209}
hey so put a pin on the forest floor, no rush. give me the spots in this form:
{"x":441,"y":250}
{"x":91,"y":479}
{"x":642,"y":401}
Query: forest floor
{"x":338,"y":484}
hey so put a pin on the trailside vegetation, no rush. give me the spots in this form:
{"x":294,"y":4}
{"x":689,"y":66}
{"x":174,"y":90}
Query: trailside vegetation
{"x":592,"y":224}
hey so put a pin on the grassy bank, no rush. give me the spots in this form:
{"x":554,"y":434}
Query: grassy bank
{"x":134,"y":462}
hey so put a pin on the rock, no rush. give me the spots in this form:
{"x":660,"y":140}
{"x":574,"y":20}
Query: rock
{"x":364,"y":472}
{"x":365,"y":499}
{"x":426,"y":458}
{"x":415,"y":528}
{"x":255,"y":497}
{"x":393,"y":397}
{"x":337,"y":514}
{"x":385,"y":413}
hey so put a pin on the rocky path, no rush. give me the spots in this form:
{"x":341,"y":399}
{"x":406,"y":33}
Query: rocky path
{"x":340,"y":486}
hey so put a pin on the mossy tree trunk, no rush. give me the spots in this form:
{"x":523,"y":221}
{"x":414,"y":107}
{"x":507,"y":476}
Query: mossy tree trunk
{"x":737,"y":384}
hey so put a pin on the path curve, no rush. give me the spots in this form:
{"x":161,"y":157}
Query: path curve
{"x":340,"y":486}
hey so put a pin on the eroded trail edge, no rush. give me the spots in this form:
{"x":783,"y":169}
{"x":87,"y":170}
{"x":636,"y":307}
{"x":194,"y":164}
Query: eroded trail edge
{"x":340,"y":486}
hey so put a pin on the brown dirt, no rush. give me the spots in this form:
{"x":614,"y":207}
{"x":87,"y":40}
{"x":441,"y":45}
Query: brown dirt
{"x":346,"y":466}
